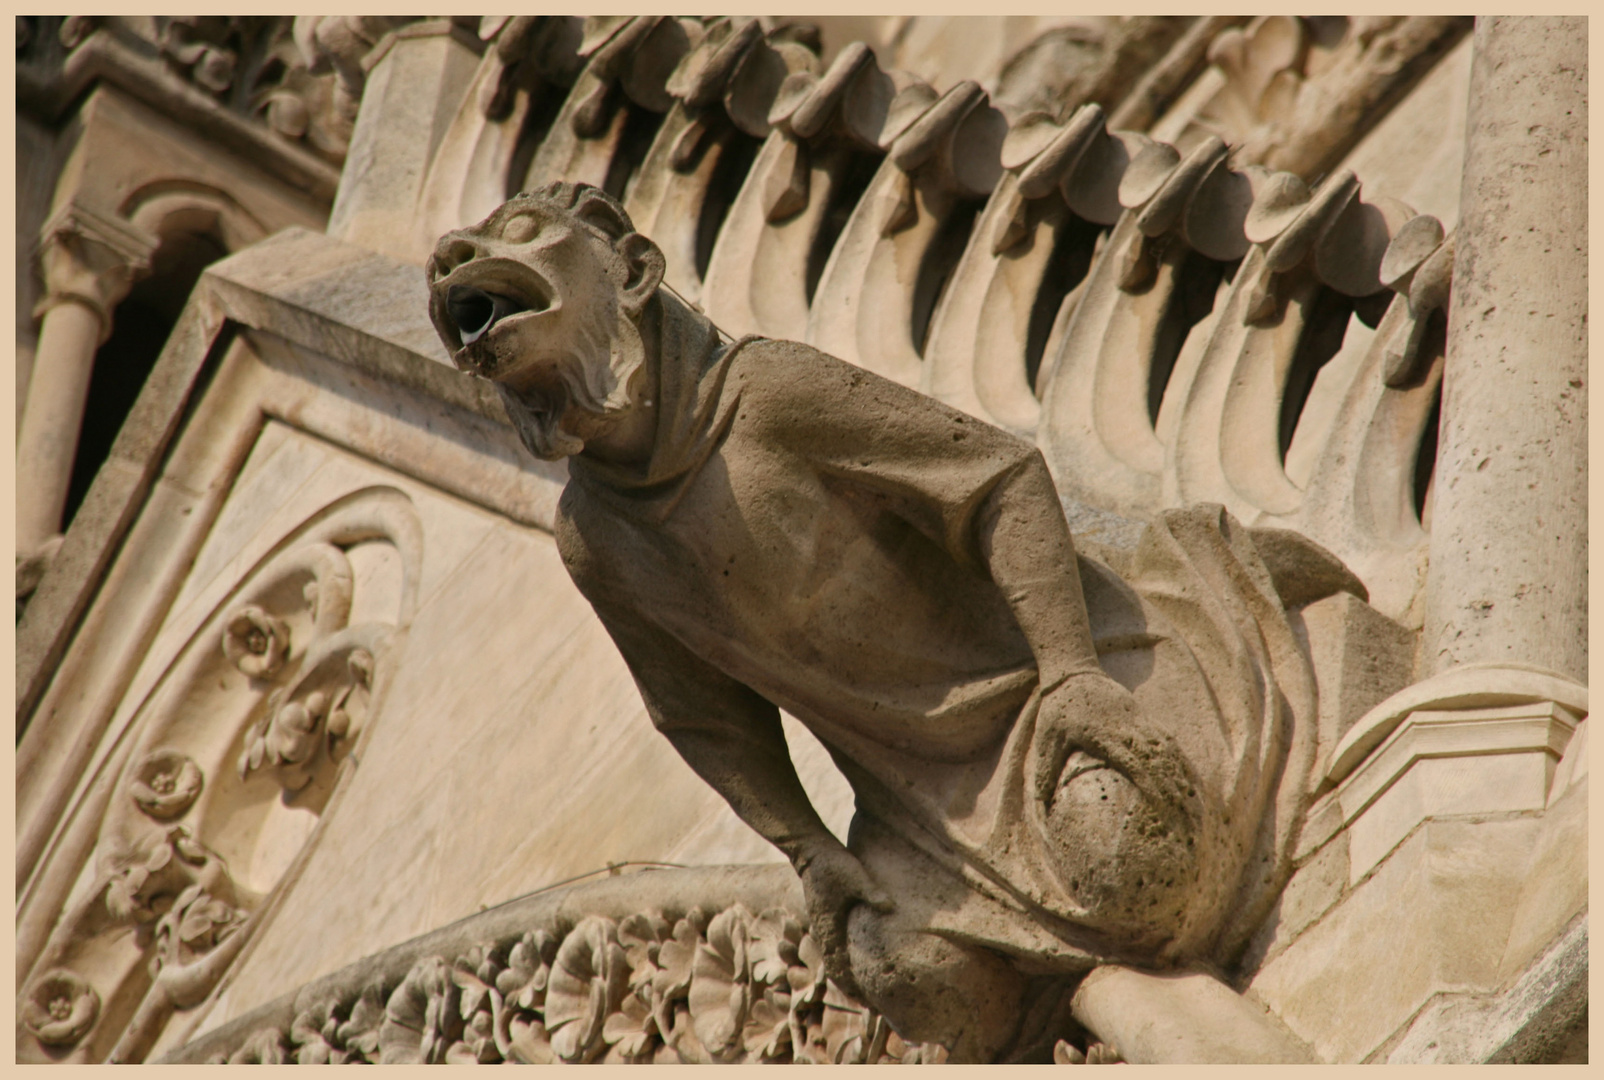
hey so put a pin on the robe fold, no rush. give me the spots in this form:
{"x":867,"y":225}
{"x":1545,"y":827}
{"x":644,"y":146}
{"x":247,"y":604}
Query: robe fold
{"x":804,"y":537}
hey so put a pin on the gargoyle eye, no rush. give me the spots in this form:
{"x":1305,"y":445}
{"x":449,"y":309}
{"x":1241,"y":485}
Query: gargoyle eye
{"x":521,"y":229}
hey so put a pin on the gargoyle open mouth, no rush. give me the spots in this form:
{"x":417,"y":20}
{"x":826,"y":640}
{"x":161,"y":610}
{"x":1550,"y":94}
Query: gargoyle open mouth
{"x":474,"y":311}
{"x":479,"y":295}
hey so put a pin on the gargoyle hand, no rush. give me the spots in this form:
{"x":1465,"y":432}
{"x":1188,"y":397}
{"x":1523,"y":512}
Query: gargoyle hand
{"x":833,"y":880}
{"x":1083,"y":711}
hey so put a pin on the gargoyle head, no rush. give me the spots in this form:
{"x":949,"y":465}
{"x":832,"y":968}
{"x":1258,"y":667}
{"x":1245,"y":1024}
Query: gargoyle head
{"x":545,"y":297}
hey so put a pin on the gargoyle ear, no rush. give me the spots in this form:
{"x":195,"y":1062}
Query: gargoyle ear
{"x":646,"y":269}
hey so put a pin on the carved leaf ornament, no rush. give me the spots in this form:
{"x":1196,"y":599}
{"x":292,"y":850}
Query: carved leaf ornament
{"x":736,"y":987}
{"x":277,"y":681}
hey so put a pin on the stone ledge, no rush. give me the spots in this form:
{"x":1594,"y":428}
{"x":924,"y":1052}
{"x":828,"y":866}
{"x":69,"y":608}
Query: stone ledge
{"x":1540,"y":1019}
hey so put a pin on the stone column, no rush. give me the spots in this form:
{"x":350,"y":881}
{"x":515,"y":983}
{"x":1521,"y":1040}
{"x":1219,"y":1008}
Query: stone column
{"x":89,"y":262}
{"x":1508,"y":575}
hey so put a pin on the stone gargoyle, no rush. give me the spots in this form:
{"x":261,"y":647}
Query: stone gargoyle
{"x":1054,"y":767}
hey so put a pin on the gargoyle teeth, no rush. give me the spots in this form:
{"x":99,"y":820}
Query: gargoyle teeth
{"x":475,"y":311}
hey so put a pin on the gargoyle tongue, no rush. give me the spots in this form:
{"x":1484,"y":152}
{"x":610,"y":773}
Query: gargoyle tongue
{"x":475,"y":311}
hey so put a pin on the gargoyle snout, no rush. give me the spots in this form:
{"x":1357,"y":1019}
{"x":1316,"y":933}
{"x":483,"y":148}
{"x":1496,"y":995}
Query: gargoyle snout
{"x":452,"y":251}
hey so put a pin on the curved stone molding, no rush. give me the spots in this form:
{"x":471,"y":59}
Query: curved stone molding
{"x":1471,"y":686}
{"x":189,"y":858}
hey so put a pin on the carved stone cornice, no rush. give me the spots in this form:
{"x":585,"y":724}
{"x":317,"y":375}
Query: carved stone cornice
{"x":91,"y":258}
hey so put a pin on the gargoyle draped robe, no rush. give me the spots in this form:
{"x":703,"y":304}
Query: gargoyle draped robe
{"x":803,"y":536}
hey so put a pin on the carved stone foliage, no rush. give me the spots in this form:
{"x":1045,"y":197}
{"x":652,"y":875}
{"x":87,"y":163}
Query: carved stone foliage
{"x":216,"y":785}
{"x":724,"y":986}
{"x":264,"y":67}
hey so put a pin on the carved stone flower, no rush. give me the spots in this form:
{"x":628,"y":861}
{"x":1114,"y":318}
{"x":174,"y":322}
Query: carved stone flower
{"x":421,"y":1018}
{"x":60,"y":1008}
{"x":642,"y":937}
{"x":523,"y":983}
{"x":195,"y":924}
{"x":137,"y":877}
{"x":359,"y":1033}
{"x":478,"y":1003}
{"x":287,"y":736}
{"x":292,"y":735}
{"x":844,"y":1027}
{"x":588,"y":981}
{"x":266,"y":1047}
{"x":767,"y":1032}
{"x":255,"y":642}
{"x":806,"y":981}
{"x":721,"y":988}
{"x":349,"y":706}
{"x":672,"y":980}
{"x":775,"y":937}
{"x":166,"y":784}
{"x":631,"y":1031}
{"x":314,"y":1032}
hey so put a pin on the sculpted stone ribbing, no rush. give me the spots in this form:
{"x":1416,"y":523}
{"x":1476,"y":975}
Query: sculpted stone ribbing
{"x":1052,"y":768}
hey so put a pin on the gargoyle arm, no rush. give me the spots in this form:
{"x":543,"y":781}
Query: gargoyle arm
{"x":1026,"y":545}
{"x":727,"y":733}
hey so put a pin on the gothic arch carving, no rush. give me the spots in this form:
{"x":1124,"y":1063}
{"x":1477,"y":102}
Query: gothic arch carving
{"x":213,"y":793}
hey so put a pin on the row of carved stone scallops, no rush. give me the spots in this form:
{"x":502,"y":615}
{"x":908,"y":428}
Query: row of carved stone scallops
{"x":731,"y":987}
{"x":761,"y":82}
{"x":1356,"y":246}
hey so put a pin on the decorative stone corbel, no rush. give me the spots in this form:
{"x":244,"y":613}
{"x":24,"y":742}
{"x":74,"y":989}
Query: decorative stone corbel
{"x":983,"y":343}
{"x":825,"y":132}
{"x":340,"y":43}
{"x":198,"y":46}
{"x":854,"y":101}
{"x":526,"y":49}
{"x":627,"y":62}
{"x":1340,"y":237}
